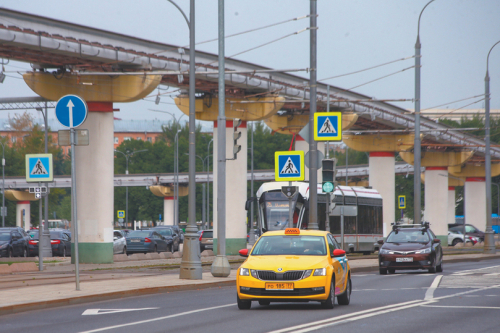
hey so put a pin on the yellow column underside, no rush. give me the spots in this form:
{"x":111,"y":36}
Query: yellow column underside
{"x":208,"y":108}
{"x":471,"y":170}
{"x":168,"y":191}
{"x":439,"y":159}
{"x":92,"y":88}
{"x":294,"y":124}
{"x":379,"y":142}
{"x":14,"y":195}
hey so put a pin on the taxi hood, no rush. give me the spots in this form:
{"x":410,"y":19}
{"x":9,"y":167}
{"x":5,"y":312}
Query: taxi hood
{"x":286,"y":262}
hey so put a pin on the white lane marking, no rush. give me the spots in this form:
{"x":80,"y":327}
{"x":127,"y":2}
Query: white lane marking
{"x":462,"y":307}
{"x":429,"y":294}
{"x":288,"y":329}
{"x":90,"y":312}
{"x":336,"y":321}
{"x":491,"y":274}
{"x":369,"y":313}
{"x":157,"y":319}
{"x":395,"y":289}
{"x":467,"y":272}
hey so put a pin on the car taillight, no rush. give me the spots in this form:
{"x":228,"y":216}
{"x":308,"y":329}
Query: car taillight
{"x":33,"y":242}
{"x":201,"y":235}
{"x":55,"y":241}
{"x":147,"y":240}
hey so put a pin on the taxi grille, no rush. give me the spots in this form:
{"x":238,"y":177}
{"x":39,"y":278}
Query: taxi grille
{"x":286,"y":276}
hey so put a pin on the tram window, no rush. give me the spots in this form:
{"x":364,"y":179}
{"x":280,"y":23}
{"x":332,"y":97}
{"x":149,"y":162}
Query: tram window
{"x":335,"y":224}
{"x":349,"y":225}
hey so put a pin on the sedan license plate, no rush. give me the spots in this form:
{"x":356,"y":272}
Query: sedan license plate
{"x":404,"y":259}
{"x":279,"y":286}
{"x":135,"y":240}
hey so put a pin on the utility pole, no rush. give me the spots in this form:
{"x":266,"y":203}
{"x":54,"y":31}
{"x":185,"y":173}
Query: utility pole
{"x":191,"y":263}
{"x":313,"y":146}
{"x":220,"y":266}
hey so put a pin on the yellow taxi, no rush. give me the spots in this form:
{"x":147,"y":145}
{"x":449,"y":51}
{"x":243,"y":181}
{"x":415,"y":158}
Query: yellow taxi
{"x":294,"y":265}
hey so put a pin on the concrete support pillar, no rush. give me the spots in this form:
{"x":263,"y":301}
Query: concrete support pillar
{"x":436,"y":201}
{"x":475,"y":201}
{"x":23,"y":215}
{"x":168,"y":211}
{"x":450,"y":212}
{"x":236,"y":190}
{"x":95,"y":188}
{"x":301,"y":144}
{"x":382,"y":179}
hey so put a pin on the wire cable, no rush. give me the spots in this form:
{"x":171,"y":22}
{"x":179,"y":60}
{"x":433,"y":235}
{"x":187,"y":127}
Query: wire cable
{"x":380,"y":78}
{"x":460,"y":100}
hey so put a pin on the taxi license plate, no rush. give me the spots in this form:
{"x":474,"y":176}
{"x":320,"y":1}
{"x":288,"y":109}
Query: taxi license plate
{"x":404,"y":259}
{"x":279,"y":286}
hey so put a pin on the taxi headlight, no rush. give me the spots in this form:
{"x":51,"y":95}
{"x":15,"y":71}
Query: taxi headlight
{"x":244,"y":271}
{"x":428,"y":250}
{"x":383,"y":251}
{"x":307,"y":273}
{"x":320,"y":272}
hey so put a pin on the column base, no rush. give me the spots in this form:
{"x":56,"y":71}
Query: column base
{"x":489,"y":242}
{"x":233,"y":246}
{"x":93,"y":253}
{"x":191,"y":264}
{"x":221,"y":267}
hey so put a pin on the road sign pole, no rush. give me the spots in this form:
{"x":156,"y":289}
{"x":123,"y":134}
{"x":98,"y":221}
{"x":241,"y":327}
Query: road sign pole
{"x":74,"y":217}
{"x":313,"y":146}
{"x":40,"y":234}
{"x":290,"y":210}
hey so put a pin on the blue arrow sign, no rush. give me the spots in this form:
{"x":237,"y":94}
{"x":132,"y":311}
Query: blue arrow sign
{"x":289,"y":166}
{"x":71,"y":111}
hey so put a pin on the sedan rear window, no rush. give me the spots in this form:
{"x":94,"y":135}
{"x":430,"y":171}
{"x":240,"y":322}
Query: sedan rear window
{"x":207,"y":234}
{"x":139,"y":234}
{"x":290,"y":245}
{"x":408,"y":236}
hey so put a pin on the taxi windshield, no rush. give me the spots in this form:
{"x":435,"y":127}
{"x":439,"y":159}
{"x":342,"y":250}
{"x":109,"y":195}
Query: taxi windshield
{"x":408,"y":236}
{"x":290,"y":245}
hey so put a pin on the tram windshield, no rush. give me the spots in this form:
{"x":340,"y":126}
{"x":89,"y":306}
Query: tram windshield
{"x":275,"y":210}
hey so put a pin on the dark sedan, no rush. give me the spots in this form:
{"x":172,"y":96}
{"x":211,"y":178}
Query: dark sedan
{"x":12,"y":243}
{"x":411,"y":246}
{"x":170,"y":236}
{"x":60,"y":241}
{"x":144,"y":241}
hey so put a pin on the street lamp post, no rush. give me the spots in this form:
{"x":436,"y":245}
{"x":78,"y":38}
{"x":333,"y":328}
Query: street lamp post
{"x":417,"y":144}
{"x":176,"y":179}
{"x":127,"y":156}
{"x":191,"y":263}
{"x":489,"y":237}
{"x":498,"y":198}
{"x":3,"y":184}
{"x":203,"y":210}
{"x":208,"y":182}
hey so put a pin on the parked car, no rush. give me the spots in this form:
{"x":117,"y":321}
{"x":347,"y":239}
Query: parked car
{"x":60,"y":241}
{"x":178,"y":231}
{"x":470,"y":230}
{"x":455,"y":237}
{"x":119,"y":242}
{"x":206,"y":240}
{"x":144,"y":241}
{"x":173,"y":239}
{"x":12,"y":243}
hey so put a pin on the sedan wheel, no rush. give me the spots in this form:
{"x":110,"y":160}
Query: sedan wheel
{"x":243,"y":305}
{"x":25,"y":253}
{"x":9,"y":253}
{"x":124,"y":250}
{"x":345,"y":298}
{"x":456,"y":241}
{"x":439,"y":268}
{"x":64,"y":252}
{"x":172,"y":249}
{"x":330,"y":301}
{"x":156,"y":249}
{"x":382,"y":271}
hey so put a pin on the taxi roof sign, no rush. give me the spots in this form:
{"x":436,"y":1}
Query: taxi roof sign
{"x":292,"y":231}
{"x":328,"y":126}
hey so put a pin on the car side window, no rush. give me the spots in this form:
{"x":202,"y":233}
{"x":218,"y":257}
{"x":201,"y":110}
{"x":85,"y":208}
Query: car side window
{"x":16,"y":235}
{"x":432,"y":234}
{"x":118,"y":235}
{"x":331,"y":243}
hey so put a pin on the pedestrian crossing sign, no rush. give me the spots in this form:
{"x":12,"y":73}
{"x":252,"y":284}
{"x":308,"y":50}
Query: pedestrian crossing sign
{"x":289,"y":166}
{"x":39,"y":168}
{"x":328,"y":126}
{"x":402,"y":201}
{"x":121,"y":214}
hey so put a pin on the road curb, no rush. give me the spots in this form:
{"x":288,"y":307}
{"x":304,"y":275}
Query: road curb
{"x":17,"y":308}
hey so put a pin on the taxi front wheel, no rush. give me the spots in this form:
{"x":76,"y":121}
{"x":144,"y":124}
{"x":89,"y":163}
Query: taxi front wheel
{"x":330,"y":301}
{"x":243,"y":305}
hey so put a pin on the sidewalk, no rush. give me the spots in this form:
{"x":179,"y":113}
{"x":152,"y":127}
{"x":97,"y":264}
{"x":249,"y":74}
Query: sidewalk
{"x":55,"y":286}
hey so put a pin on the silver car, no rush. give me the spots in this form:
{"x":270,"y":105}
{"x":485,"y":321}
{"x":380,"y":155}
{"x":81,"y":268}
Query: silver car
{"x":119,"y":242}
{"x":455,"y":237}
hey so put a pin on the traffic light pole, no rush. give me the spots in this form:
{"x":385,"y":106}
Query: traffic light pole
{"x":313,"y":146}
{"x":290,"y":210}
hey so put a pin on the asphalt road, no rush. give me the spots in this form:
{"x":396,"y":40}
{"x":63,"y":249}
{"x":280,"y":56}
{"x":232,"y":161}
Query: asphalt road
{"x":464,"y":298}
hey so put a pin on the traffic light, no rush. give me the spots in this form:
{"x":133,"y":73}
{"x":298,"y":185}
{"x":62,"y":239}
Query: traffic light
{"x":236,"y":136}
{"x":329,"y":172}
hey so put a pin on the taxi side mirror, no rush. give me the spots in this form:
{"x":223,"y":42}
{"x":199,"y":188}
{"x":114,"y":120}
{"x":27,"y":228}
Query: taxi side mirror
{"x":243,"y":252}
{"x":436,"y":241}
{"x":338,"y":253}
{"x":380,"y":241}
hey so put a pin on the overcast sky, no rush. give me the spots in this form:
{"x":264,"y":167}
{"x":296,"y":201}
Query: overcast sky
{"x":456,"y":36}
